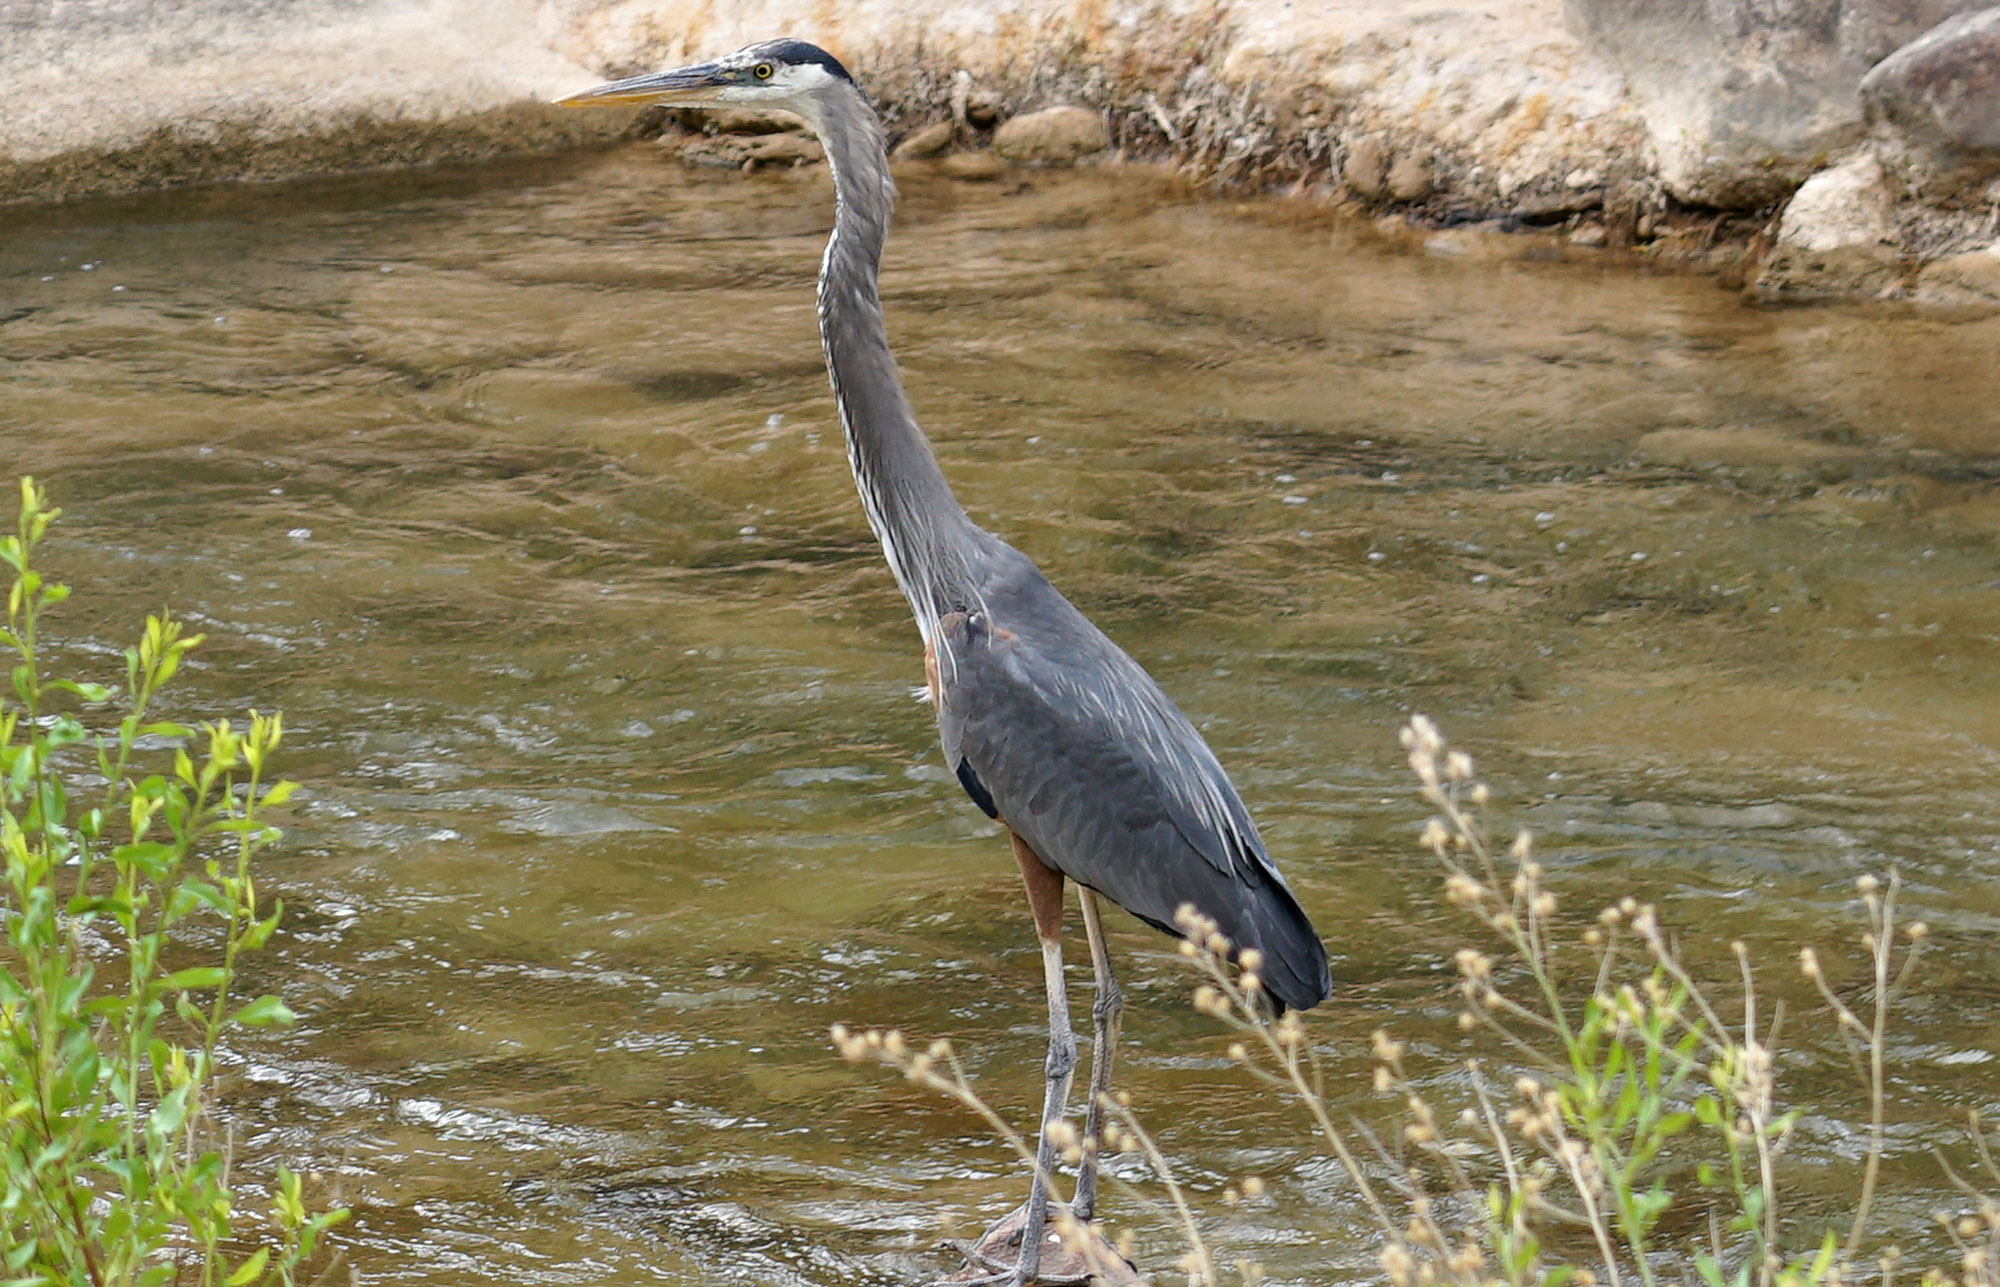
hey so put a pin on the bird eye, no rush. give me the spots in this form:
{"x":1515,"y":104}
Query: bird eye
{"x":762,"y":71}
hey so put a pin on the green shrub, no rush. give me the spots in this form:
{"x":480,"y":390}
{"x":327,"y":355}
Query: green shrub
{"x":116,"y":1170}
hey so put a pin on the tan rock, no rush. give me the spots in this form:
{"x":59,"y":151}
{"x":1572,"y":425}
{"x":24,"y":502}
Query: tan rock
{"x":1410,"y":179}
{"x":926,"y":142}
{"x":1366,"y":169}
{"x":1970,"y":280}
{"x":1054,"y":135}
{"x":1837,"y":235}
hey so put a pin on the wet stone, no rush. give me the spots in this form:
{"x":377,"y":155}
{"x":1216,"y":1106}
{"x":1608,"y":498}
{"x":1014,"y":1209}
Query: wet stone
{"x":1083,"y":1255}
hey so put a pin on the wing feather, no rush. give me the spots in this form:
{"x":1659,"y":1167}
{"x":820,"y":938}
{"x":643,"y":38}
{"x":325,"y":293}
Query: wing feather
{"x":1077,"y":749}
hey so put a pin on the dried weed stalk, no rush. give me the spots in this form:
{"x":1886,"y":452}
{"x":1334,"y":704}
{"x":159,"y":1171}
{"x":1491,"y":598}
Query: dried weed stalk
{"x":1622,"y":1092}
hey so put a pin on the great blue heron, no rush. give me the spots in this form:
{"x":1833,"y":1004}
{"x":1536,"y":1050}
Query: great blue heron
{"x":1051,"y":728}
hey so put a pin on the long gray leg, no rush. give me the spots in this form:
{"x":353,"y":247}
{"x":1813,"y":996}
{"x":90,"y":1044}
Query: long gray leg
{"x":1105,"y":1013}
{"x":1044,"y":886}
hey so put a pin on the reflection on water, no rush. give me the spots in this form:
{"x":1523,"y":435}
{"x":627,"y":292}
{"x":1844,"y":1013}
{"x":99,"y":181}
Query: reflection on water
{"x":521,"y":494}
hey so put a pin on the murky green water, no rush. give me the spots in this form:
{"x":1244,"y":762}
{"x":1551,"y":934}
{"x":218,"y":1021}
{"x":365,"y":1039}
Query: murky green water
{"x":521,"y":495}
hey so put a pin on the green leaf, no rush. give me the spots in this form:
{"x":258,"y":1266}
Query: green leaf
{"x":279,"y":793}
{"x":150,"y":857}
{"x":1673,"y":1124}
{"x":88,"y":692}
{"x":250,"y":1270}
{"x":199,"y":976}
{"x":265,"y":1011}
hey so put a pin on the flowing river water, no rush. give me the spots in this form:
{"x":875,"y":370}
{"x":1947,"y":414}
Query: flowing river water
{"x":520,"y":493}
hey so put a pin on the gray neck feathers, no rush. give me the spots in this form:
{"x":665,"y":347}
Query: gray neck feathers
{"x":925,"y":534}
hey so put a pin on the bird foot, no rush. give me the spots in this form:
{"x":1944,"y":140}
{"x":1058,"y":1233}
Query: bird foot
{"x":994,"y":1259}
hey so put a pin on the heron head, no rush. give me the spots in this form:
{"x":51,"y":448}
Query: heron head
{"x":789,"y":75}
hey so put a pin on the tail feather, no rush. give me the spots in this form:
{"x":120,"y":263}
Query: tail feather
{"x":1294,"y":969}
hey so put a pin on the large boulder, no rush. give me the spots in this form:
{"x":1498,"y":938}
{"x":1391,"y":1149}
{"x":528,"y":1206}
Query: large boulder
{"x":1934,"y":104}
{"x":1745,"y":98}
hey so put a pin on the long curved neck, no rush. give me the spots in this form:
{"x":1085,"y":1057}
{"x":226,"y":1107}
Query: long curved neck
{"x":924,"y":532}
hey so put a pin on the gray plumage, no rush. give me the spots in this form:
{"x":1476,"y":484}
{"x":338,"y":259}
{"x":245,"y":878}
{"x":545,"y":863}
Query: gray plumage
{"x":1049,"y":725}
{"x":1073,"y":743}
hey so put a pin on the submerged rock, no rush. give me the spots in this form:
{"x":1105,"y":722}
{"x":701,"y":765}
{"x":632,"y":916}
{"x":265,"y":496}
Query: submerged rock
{"x":1934,"y":104}
{"x":1837,"y":235}
{"x":1056,"y":135}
